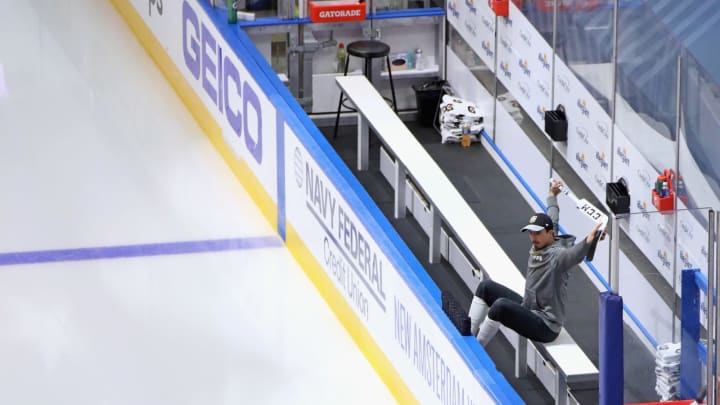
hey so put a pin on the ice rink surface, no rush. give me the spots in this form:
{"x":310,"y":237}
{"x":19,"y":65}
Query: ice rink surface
{"x":134,"y":268}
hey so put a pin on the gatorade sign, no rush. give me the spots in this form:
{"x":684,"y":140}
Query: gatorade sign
{"x":336,"y":11}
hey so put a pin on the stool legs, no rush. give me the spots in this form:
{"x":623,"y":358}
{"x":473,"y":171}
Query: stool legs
{"x":337,"y":115}
{"x":392,"y":86}
{"x":368,"y":74}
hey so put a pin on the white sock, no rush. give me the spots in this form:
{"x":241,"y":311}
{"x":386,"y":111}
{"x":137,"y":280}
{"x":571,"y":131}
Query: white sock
{"x":488,"y":329}
{"x":477,"y":312}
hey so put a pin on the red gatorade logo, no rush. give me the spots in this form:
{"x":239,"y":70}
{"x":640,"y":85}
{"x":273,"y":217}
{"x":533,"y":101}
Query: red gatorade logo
{"x":333,"y":11}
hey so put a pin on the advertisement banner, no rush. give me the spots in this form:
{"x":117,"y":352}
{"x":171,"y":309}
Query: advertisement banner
{"x":588,"y":145}
{"x":225,"y":86}
{"x":653,"y":231}
{"x":370,"y":281}
{"x":525,"y":64}
{"x":693,"y":240}
{"x":475,"y":22}
{"x":647,"y":305}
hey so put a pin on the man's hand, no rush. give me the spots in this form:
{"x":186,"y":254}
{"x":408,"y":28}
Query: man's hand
{"x":595,"y":231}
{"x":555,"y":187}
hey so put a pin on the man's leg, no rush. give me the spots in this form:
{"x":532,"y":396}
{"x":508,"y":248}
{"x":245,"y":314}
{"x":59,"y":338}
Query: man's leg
{"x":487,"y":330}
{"x":486,"y":294}
{"x":521,"y":320}
{"x":478,"y":310}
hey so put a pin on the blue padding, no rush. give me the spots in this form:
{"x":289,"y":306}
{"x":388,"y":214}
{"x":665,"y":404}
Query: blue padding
{"x":689,"y":336}
{"x":270,"y":21}
{"x":611,"y":349}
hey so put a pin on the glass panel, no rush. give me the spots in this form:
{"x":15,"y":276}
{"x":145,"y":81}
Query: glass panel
{"x":650,"y":275}
{"x":700,"y":104}
{"x":524,"y":60}
{"x":584,"y":42}
{"x":540,"y":15}
{"x":471,"y":59}
{"x":646,"y":85}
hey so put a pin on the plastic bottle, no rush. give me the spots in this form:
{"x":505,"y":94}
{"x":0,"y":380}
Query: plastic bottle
{"x":659,"y":183}
{"x":410,"y":60}
{"x":665,"y":191}
{"x":466,"y":131}
{"x":419,"y":61}
{"x":231,"y":11}
{"x":340,"y":57}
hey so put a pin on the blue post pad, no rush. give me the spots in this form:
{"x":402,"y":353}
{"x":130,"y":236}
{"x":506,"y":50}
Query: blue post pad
{"x":611,"y":349}
{"x":690,"y":334}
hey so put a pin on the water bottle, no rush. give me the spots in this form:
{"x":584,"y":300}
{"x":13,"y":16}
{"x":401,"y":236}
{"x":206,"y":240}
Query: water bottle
{"x":419,"y":62}
{"x":658,"y":184}
{"x":340,"y":56}
{"x":231,"y":11}
{"x":466,"y":132}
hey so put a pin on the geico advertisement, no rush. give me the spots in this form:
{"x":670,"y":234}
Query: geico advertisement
{"x":228,"y":91}
{"x":369,"y":282}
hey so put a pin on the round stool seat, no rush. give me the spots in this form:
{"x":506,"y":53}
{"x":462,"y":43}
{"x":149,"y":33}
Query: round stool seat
{"x":368,"y":49}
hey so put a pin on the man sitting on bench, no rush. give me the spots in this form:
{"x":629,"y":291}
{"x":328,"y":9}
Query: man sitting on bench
{"x":540,"y":314}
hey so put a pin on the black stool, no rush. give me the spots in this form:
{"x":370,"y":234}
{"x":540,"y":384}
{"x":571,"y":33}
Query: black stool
{"x":366,"y":50}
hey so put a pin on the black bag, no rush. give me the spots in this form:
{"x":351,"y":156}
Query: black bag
{"x":556,"y":124}
{"x":454,"y":311}
{"x":617,"y":196}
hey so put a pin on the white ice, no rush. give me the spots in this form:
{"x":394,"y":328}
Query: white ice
{"x":97,"y":150}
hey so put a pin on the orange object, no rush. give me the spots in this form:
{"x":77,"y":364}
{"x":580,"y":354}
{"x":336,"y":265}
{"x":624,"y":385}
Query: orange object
{"x":667,"y":203}
{"x":663,"y":203}
{"x":336,"y":11}
{"x":501,"y":8}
